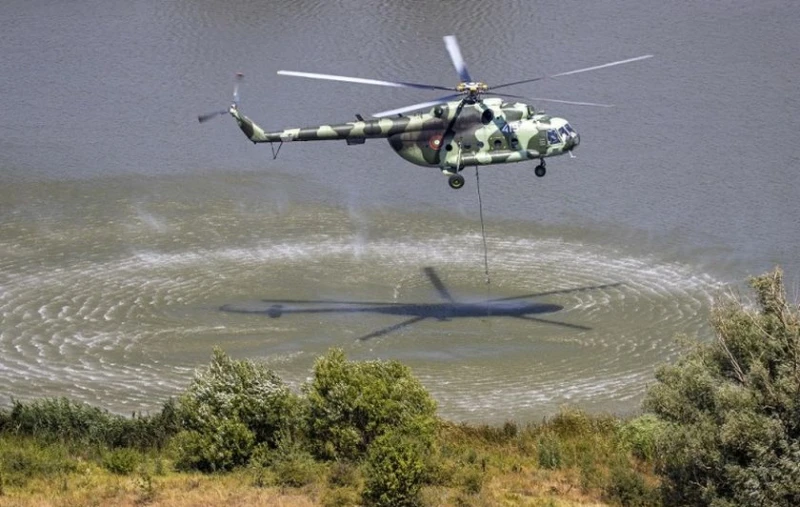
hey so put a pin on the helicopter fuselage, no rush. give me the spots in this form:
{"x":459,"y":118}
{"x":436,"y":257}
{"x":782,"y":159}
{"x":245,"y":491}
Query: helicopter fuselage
{"x":450,"y":136}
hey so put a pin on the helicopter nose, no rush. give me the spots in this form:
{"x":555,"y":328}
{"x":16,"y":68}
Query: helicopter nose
{"x":573,"y":141}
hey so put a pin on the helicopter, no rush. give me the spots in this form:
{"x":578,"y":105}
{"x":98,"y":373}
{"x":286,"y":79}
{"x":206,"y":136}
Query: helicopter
{"x":460,"y":129}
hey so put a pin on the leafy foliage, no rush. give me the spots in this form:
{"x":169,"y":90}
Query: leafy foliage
{"x":353,"y":403}
{"x":121,"y":461}
{"x":230,"y":407}
{"x":396,"y":470}
{"x":24,"y":459}
{"x":241,"y":391}
{"x":59,"y":419}
{"x":733,"y":407}
{"x":223,"y":448}
{"x":642,"y":436}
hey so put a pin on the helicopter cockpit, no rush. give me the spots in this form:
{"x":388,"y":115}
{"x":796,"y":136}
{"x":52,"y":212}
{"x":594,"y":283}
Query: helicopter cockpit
{"x":563,"y":135}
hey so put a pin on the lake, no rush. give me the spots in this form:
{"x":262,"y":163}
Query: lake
{"x":134,"y":239}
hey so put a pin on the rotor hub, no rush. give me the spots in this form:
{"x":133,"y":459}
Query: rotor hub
{"x":472,"y":87}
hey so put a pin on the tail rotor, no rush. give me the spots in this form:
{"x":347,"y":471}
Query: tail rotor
{"x":234,"y":105}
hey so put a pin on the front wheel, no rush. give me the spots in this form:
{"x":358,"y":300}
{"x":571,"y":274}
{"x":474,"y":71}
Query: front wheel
{"x":456,"y":181}
{"x":540,"y":170}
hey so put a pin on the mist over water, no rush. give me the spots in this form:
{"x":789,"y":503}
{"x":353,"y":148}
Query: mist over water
{"x":126,"y":228}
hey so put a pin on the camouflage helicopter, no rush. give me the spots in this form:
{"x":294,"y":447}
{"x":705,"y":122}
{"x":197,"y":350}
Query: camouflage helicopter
{"x":461,"y":129}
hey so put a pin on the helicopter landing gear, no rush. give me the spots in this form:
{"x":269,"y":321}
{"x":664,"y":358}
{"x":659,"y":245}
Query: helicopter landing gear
{"x":456,"y":181}
{"x":540,"y":170}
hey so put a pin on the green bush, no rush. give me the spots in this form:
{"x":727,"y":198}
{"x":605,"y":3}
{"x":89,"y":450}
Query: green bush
{"x":241,"y":391}
{"x":353,"y":403}
{"x":641,"y":436}
{"x":395,"y":471}
{"x":343,"y":474}
{"x":23,"y":459}
{"x":627,"y":488}
{"x":471,"y":480}
{"x":549,"y":452}
{"x":121,"y":461}
{"x":224,"y":448}
{"x":732,"y":407}
{"x":296,"y":470}
{"x":341,"y":497}
{"x":59,"y":419}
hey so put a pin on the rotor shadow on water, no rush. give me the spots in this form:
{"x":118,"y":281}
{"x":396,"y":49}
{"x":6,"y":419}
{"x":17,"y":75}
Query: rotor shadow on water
{"x":513,"y":306}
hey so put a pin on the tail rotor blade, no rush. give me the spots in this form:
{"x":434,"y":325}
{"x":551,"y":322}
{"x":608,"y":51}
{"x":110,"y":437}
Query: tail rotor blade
{"x":209,"y":116}
{"x":455,"y":56}
{"x":238,"y":80}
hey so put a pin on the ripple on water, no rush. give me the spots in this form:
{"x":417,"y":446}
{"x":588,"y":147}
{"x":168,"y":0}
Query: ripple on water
{"x":126,"y":333}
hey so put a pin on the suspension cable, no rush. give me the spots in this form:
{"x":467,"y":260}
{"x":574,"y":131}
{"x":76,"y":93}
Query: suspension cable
{"x":483,"y":234}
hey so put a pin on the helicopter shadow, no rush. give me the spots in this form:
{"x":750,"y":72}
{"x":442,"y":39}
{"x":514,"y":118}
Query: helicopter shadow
{"x":517,"y":307}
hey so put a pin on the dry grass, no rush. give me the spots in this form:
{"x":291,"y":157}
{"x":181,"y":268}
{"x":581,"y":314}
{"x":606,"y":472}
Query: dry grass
{"x":234,"y":490}
{"x":175,"y":490}
{"x":563,"y":463}
{"x":96,"y":487}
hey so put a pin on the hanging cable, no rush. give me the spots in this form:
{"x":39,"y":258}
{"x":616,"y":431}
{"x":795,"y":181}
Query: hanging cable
{"x":483,"y":234}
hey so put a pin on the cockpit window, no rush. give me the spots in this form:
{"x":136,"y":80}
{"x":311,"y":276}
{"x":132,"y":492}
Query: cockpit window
{"x":552,"y":137}
{"x":569,"y":128}
{"x":563,"y":132}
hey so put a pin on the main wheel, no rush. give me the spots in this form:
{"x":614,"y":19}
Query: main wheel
{"x":540,"y":170}
{"x":456,"y":181}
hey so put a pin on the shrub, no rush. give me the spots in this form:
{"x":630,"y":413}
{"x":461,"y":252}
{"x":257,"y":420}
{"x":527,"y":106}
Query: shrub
{"x":351,"y":404}
{"x":343,"y":474}
{"x":628,"y":488}
{"x":59,"y":419}
{"x":241,"y":391}
{"x":296,"y":469}
{"x":23,"y":459}
{"x":121,"y":461}
{"x":341,"y":497}
{"x":224,"y":448}
{"x":549,"y":449}
{"x":395,"y":471}
{"x":732,"y":407}
{"x":641,"y":436}
{"x":471,"y":479}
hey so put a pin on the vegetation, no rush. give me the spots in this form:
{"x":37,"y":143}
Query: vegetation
{"x":351,"y":404}
{"x":732,"y":407}
{"x":720,"y":428}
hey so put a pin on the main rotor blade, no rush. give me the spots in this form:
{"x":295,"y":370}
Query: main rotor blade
{"x":593,"y":104}
{"x":361,"y":80}
{"x":437,"y":283}
{"x":392,"y":328}
{"x":455,"y":55}
{"x":578,"y":71}
{"x":552,"y":100}
{"x":554,"y":322}
{"x":557,"y":291}
{"x":333,"y":302}
{"x":414,"y":107}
